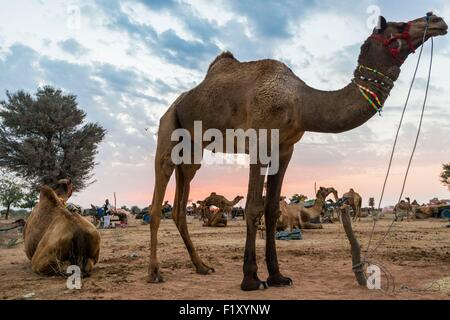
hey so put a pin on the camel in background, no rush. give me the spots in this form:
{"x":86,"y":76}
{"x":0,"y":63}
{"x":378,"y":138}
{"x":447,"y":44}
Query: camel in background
{"x":217,"y":219}
{"x":354,"y":200}
{"x":267,"y":95}
{"x":297,"y":215}
{"x":55,"y":237}
{"x":404,"y":208}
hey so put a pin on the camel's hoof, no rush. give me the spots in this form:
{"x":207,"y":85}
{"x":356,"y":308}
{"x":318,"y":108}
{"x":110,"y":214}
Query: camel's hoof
{"x":279,"y":281}
{"x":155,"y":278}
{"x":253,"y":285}
{"x":205,"y":270}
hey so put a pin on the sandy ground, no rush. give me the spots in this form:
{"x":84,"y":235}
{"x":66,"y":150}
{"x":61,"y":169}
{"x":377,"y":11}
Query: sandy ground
{"x":416,"y":253}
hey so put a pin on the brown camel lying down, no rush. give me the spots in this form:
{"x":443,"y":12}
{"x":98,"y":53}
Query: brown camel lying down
{"x":295,"y":215}
{"x":55,"y":238}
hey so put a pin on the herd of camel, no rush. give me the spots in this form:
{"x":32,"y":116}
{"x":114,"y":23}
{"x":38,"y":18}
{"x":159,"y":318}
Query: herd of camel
{"x":297,"y":214}
{"x":292,"y":215}
{"x":55,"y":236}
{"x":259,"y":95}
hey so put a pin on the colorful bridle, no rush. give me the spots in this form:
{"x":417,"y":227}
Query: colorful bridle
{"x":404,"y":35}
{"x":368,"y":94}
{"x":395,"y":52}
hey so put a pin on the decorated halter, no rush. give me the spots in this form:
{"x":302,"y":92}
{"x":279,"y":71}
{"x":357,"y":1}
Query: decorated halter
{"x":405,"y":35}
{"x":395,"y":52}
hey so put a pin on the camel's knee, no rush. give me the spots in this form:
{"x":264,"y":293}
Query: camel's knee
{"x":253,"y":213}
{"x":164,"y":165}
{"x":44,"y":265}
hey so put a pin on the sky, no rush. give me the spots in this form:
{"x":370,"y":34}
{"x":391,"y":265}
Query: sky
{"x":127,"y":61}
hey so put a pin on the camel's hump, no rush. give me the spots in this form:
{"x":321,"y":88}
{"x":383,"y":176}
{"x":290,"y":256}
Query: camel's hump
{"x":223,"y":55}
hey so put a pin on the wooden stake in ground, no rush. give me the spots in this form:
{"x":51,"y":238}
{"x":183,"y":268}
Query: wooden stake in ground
{"x":355,"y":248}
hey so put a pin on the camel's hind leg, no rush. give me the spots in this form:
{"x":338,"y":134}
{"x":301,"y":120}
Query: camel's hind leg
{"x":163,"y":170}
{"x":184,"y":175}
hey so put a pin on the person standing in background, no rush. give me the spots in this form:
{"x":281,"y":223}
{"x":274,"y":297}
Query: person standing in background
{"x":107,"y":209}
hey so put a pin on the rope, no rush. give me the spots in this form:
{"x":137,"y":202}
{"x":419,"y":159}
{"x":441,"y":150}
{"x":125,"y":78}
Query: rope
{"x":396,"y":138}
{"x":368,"y":254}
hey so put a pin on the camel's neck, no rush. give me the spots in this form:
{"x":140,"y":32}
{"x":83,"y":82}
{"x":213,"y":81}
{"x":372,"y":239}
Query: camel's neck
{"x":235,"y":200}
{"x":336,"y":111}
{"x":318,"y":204}
{"x":345,"y":109}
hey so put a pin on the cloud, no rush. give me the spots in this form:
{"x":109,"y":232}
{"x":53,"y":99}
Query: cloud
{"x":190,"y":54}
{"x":17,"y":69}
{"x":73,"y":47}
{"x":132,"y":58}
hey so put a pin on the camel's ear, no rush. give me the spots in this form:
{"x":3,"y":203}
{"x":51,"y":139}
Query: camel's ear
{"x":382,"y":24}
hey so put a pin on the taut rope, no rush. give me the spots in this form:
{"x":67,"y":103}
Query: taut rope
{"x":369,"y":253}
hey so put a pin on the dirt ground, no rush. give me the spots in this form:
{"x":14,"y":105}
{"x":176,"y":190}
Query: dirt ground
{"x":416,"y":253}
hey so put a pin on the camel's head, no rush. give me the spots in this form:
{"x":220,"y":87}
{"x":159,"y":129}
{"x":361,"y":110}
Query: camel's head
{"x":63,"y":188}
{"x":397,"y":40}
{"x":324,"y":192}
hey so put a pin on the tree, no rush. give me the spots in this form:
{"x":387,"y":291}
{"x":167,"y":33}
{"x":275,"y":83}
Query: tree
{"x":445,"y":175}
{"x":135,"y":210}
{"x":29,"y":199}
{"x":10,"y":192}
{"x":45,"y":138}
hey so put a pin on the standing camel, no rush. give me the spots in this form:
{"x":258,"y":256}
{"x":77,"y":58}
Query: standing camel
{"x":266,"y":94}
{"x":354,"y":200}
{"x":404,"y":208}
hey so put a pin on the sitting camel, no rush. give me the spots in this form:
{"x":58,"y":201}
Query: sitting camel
{"x":217,"y":219}
{"x":403,"y":208}
{"x":354,"y":200}
{"x":422,"y":212}
{"x":297,"y":215}
{"x":289,"y":216}
{"x":55,"y":238}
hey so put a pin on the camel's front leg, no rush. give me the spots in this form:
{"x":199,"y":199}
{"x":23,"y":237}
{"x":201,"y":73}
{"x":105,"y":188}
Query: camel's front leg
{"x":274,"y":183}
{"x":254,"y":209}
{"x":45,"y":259}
